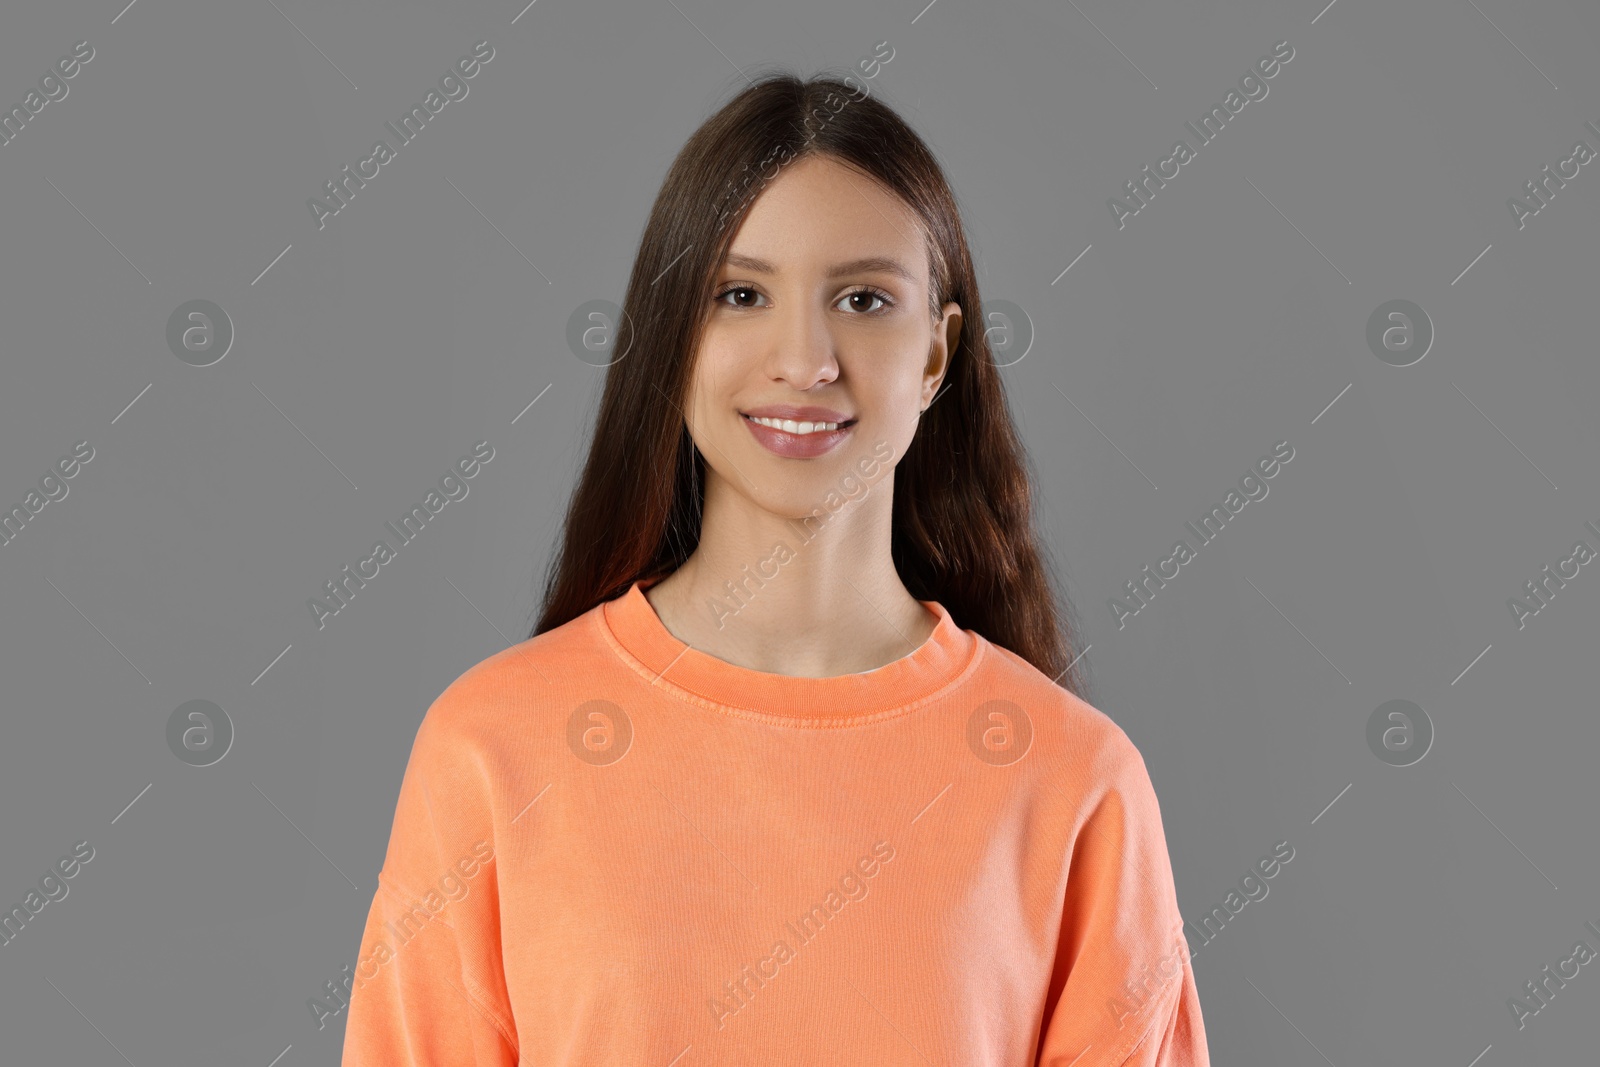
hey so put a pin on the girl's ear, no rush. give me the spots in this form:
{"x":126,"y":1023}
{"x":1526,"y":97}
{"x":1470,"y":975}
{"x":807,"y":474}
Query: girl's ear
{"x":946,"y":339}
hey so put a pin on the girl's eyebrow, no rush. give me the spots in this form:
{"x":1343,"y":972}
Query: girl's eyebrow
{"x":856,"y":266}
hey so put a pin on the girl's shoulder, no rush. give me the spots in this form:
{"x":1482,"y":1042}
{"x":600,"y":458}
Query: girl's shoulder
{"x":518,"y":683}
{"x":1006,"y":669}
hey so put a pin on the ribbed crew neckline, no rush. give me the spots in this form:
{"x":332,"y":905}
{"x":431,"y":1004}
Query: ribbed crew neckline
{"x":634,"y":630}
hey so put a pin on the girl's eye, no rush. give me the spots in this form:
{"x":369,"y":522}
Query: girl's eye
{"x":737,"y":289}
{"x":869,"y":294}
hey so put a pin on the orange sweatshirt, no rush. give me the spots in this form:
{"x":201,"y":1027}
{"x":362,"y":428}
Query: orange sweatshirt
{"x":612,"y":849}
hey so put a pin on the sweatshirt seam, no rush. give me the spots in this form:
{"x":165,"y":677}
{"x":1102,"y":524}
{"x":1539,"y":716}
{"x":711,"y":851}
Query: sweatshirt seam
{"x":1173,"y":992}
{"x":478,"y":1001}
{"x":474,"y":995}
{"x":688,"y":696}
{"x":1124,"y":1056}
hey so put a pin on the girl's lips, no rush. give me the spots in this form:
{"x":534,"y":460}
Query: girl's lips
{"x":797,"y":445}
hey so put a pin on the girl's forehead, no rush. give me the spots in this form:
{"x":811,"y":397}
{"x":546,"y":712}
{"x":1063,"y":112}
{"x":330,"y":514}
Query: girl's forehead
{"x":819,"y":180}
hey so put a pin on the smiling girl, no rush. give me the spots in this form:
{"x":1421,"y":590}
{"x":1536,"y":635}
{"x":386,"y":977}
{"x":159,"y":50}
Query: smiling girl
{"x":744,"y":681}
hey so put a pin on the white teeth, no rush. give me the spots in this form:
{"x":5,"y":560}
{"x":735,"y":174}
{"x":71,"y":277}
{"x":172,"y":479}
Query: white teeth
{"x":789,"y":426}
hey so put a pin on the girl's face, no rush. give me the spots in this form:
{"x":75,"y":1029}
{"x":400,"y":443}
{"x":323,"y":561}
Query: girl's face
{"x":822,"y":303}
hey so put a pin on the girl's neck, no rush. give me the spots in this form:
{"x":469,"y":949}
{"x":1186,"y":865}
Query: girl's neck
{"x":823,"y":627}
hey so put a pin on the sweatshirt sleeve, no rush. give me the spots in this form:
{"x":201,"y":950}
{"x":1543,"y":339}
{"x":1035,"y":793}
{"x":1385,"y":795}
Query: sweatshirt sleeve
{"x":1122,"y":993}
{"x":429,"y":987}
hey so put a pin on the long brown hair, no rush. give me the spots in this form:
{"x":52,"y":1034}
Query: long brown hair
{"x":963,"y":530}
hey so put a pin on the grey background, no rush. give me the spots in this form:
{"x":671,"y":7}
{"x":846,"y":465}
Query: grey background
{"x":1226,"y":316}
